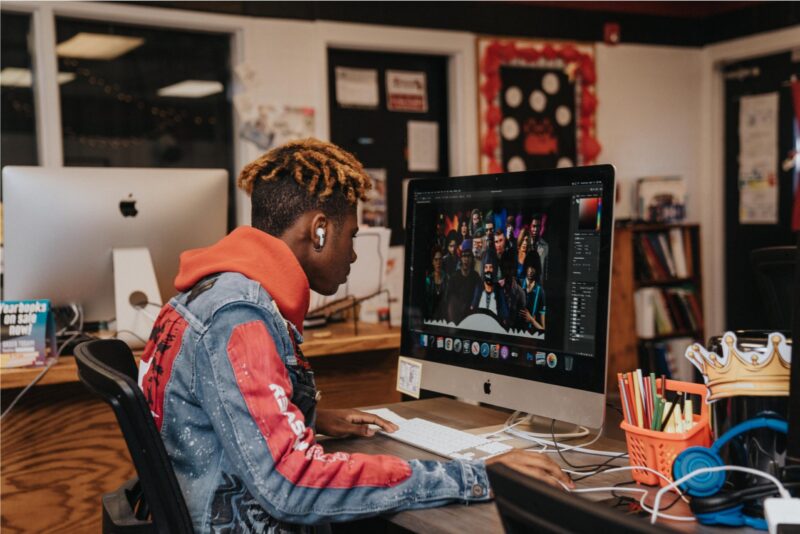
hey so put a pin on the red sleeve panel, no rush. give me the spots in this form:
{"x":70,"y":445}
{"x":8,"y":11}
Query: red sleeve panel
{"x":264,"y":383}
{"x":159,"y":355}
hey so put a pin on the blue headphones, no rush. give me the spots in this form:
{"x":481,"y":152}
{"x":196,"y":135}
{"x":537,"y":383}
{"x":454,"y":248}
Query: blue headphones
{"x":725,"y":508}
{"x":695,"y":458}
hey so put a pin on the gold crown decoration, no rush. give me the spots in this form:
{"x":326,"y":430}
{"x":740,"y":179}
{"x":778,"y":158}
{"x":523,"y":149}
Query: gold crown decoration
{"x":761,"y":372}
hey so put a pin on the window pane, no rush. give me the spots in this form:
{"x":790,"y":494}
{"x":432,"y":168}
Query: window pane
{"x":143,"y":97}
{"x":16,"y":92}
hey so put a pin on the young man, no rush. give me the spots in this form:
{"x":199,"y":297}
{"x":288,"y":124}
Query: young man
{"x":230,"y":391}
{"x":539,"y":244}
{"x":463,"y":284}
{"x":488,"y":296}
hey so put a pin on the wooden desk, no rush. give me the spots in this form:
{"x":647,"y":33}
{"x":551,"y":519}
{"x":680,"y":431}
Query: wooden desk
{"x":333,"y":340}
{"x":483,"y":517}
{"x":62,"y":448}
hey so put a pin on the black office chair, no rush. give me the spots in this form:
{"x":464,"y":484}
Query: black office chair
{"x":153,"y":503}
{"x":529,"y":505}
{"x":774,"y":271}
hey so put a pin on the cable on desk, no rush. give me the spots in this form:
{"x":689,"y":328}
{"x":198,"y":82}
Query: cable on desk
{"x":513,"y":420}
{"x":629,"y":468}
{"x":116,"y":334}
{"x":595,"y":466}
{"x":642,"y":503}
{"x":48,"y":365}
{"x":78,"y":310}
{"x":623,"y":499}
{"x":781,"y":489}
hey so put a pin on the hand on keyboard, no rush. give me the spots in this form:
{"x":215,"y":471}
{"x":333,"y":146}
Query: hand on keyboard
{"x":535,"y":465}
{"x":348,"y":422}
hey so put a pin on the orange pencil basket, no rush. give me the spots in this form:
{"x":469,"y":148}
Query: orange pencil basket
{"x":657,"y":450}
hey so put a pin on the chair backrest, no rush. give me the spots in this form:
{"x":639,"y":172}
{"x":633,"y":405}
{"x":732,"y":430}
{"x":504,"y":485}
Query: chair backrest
{"x":108,"y":368}
{"x":529,"y":505}
{"x":774,"y":271}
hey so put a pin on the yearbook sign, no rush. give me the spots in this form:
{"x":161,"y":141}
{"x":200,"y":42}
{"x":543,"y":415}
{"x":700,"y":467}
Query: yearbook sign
{"x":27,"y":331}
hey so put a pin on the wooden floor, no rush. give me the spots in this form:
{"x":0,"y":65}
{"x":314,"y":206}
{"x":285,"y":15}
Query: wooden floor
{"x":61,"y":450}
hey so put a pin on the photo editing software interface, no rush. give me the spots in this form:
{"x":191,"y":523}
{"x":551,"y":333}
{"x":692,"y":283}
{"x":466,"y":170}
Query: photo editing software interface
{"x":509,"y":280}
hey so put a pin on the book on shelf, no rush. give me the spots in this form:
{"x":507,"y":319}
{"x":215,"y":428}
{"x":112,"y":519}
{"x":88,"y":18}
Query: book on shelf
{"x":666,"y":311}
{"x":660,"y":256}
{"x":667,"y":253}
{"x":677,"y":247}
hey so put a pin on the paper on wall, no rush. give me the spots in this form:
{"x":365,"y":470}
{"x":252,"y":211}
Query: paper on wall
{"x":423,"y":146}
{"x":395,"y":267}
{"x":758,"y":159}
{"x":373,"y":210}
{"x":251,"y":78}
{"x":406,"y":91}
{"x":274,"y":125}
{"x":357,"y":88}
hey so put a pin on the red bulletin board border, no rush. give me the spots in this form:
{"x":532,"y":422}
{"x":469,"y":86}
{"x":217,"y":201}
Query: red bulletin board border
{"x":577,"y":61}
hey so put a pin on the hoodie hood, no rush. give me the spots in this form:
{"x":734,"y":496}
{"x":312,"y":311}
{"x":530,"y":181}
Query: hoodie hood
{"x":258,"y":256}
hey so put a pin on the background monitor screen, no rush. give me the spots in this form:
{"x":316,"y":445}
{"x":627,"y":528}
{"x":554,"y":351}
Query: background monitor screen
{"x":509,"y":274}
{"x":61,"y":225}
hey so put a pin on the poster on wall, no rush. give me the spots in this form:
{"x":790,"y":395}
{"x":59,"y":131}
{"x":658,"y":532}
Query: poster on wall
{"x":373,"y":210}
{"x":270,"y":125}
{"x":357,"y":88}
{"x":423,"y":146}
{"x":758,"y":159}
{"x":406,"y":91}
{"x":537,"y":104}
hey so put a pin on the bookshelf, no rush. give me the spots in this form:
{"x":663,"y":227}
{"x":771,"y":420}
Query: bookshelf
{"x":656,"y":295}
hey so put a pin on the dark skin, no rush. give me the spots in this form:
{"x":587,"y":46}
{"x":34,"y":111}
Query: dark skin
{"x":326,"y":268}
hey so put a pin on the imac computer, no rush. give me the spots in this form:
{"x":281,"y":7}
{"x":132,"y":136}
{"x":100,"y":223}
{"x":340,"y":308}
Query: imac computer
{"x":87,"y":235}
{"x":507,"y":288}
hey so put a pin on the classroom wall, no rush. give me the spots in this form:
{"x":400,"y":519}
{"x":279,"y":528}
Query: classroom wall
{"x":649,"y":105}
{"x":636,"y":86}
{"x":657,"y":109}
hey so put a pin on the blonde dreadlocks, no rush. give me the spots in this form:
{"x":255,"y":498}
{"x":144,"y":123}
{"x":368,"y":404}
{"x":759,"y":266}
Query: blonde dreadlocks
{"x":301,"y":176}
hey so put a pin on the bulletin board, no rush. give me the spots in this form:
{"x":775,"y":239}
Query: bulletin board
{"x":537,"y":104}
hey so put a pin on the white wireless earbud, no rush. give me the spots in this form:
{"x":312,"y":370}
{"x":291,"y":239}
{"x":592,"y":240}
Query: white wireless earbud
{"x":321,"y":236}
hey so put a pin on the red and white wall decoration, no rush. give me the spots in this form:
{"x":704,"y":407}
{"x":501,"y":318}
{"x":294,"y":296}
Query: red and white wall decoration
{"x":537,"y":105}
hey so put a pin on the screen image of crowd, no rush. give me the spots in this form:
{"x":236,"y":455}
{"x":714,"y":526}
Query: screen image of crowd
{"x":488,"y":272}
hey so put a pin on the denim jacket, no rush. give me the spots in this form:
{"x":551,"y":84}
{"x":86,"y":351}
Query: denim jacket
{"x":235,"y":403}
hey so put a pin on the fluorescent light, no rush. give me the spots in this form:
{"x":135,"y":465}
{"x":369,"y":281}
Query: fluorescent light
{"x":65,"y":77}
{"x":16,"y":77}
{"x":192,"y":89}
{"x":98,"y":46}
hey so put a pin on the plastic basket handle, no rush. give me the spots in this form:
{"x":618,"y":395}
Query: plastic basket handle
{"x":689,"y":387}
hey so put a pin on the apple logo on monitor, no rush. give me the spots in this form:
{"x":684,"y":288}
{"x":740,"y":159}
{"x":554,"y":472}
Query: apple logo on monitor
{"x":128,"y":207}
{"x":487,"y":387}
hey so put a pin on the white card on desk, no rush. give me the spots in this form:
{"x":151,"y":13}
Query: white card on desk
{"x":409,"y":376}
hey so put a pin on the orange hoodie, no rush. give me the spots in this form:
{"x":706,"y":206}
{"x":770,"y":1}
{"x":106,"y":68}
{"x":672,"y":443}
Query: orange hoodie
{"x":258,"y":256}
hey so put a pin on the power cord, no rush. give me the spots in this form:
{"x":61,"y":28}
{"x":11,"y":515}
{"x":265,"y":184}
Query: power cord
{"x":78,"y":317}
{"x":781,"y":489}
{"x":595,"y":466}
{"x":116,"y":334}
{"x":48,"y":365}
{"x":546,"y":445}
{"x":623,"y":499}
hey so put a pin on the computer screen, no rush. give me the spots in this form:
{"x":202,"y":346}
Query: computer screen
{"x":61,"y":225}
{"x":507,"y":277}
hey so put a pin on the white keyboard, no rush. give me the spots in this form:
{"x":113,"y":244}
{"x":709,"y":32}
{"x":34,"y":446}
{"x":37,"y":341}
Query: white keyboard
{"x":440,"y":439}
